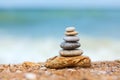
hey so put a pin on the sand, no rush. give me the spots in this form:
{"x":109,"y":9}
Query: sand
{"x":105,"y":70}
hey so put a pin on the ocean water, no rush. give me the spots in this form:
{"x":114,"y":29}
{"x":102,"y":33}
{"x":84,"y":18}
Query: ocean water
{"x":35,"y":35}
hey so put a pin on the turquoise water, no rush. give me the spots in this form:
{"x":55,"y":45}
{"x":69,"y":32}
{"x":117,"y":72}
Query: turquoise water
{"x":35,"y":23}
{"x":35,"y":35}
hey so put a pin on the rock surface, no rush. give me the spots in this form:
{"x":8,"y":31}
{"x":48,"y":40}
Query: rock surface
{"x":70,"y":45}
{"x":62,"y":62}
{"x":71,"y":38}
{"x":70,"y":29}
{"x":70,"y":53}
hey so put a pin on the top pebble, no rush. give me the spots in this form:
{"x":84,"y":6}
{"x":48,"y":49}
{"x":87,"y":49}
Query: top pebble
{"x":70,"y":29}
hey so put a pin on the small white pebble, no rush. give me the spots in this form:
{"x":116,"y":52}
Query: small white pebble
{"x":43,"y":68}
{"x":71,"y":70}
{"x":70,"y":29}
{"x":48,"y":73}
{"x":18,"y":71}
{"x":30,"y":76}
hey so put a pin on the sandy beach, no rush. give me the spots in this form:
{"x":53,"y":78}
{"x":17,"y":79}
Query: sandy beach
{"x":105,"y":70}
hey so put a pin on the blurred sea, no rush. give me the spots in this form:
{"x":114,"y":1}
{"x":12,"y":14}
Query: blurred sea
{"x":35,"y":34}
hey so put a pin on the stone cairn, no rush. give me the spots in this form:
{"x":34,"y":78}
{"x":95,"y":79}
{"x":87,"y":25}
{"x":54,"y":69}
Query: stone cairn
{"x":70,"y":44}
{"x":70,"y":55}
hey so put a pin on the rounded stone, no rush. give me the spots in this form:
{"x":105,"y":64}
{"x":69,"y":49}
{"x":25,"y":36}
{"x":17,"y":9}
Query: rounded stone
{"x":71,"y":38}
{"x":69,"y":29}
{"x":73,"y":33}
{"x":70,"y":53}
{"x":69,"y":45}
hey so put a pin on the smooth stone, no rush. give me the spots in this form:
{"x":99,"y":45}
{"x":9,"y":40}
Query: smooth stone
{"x":71,"y":38}
{"x":69,"y":29}
{"x":70,"y":45}
{"x":70,"y":53}
{"x":62,"y":62}
{"x":73,"y":33}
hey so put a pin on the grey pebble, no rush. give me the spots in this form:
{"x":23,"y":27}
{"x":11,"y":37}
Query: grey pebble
{"x":70,"y":45}
{"x":71,"y":38}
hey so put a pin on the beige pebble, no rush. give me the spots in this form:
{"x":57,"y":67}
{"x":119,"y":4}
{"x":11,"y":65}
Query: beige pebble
{"x":70,"y":53}
{"x":71,"y":33}
{"x":69,"y":29}
{"x":30,"y":76}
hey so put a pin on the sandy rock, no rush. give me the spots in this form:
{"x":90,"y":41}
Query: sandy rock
{"x":61,"y":62}
{"x":28,"y":65}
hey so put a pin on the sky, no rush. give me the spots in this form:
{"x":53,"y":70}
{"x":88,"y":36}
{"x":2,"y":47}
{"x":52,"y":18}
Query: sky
{"x":59,"y":3}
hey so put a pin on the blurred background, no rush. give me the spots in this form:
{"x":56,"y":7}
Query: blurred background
{"x":32,"y":30}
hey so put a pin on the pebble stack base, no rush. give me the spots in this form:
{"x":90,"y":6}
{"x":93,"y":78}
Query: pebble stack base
{"x":62,"y":62}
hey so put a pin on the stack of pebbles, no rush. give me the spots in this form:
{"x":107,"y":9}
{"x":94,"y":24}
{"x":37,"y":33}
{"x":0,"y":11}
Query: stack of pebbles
{"x":70,"y":55}
{"x":70,"y":45}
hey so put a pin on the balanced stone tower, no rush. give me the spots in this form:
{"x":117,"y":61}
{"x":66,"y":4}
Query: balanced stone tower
{"x":70,"y":55}
{"x":70,"y":45}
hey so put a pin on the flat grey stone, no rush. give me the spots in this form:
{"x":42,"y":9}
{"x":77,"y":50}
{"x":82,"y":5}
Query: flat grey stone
{"x":70,"y":45}
{"x":71,"y":38}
